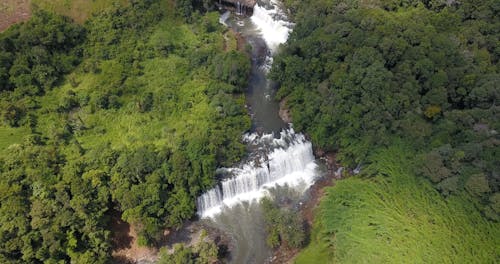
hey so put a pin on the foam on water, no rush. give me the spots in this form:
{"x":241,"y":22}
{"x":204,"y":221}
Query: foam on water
{"x":287,"y":160}
{"x":272,"y":23}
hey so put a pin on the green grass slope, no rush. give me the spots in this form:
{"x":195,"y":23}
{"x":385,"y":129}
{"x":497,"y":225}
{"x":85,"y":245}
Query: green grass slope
{"x":396,"y":217}
{"x":79,"y":10}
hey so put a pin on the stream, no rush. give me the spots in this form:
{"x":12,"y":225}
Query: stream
{"x":279,"y":160}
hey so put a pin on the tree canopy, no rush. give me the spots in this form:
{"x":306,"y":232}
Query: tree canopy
{"x":359,"y":74}
{"x":130,"y":112}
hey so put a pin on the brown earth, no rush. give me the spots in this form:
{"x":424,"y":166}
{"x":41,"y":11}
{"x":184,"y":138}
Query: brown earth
{"x":13,"y":11}
{"x":284,"y":112}
{"x":124,"y":243}
{"x":125,"y":249}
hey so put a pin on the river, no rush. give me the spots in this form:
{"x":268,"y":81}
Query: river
{"x":279,"y":160}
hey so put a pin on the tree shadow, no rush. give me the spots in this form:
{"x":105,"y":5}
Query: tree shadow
{"x":120,"y":233}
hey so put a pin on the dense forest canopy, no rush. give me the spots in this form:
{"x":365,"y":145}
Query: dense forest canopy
{"x":130,"y":112}
{"x":358,"y":74}
{"x":408,"y":91}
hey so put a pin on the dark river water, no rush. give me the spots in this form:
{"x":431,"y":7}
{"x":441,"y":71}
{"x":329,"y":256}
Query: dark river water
{"x":280,"y":162}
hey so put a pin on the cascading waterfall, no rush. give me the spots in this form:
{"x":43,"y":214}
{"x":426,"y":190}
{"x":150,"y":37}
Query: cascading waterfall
{"x":272,"y":23}
{"x":284,"y":160}
{"x":287,"y":160}
{"x":277,"y":156}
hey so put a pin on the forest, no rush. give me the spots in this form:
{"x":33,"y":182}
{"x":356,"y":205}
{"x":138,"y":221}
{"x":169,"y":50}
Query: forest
{"x":126,"y":108}
{"x":419,"y":80}
{"x":128,"y":113}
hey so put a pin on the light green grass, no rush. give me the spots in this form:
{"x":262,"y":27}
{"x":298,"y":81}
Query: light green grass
{"x":181,"y":108}
{"x":79,"y":10}
{"x":12,"y":135}
{"x":398,"y":218}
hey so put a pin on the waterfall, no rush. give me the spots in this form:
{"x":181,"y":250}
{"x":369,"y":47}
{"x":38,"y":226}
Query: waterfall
{"x":223,"y":18}
{"x":287,"y":160}
{"x":272,"y":23}
{"x":273,"y":159}
{"x":238,"y":8}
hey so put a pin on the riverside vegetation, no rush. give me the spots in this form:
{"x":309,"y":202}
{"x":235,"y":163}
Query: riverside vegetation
{"x":409,"y":91}
{"x":131,"y":111}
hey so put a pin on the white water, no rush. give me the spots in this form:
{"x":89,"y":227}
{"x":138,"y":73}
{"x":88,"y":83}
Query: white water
{"x":272,"y":23}
{"x":284,"y":160}
{"x":223,"y":18}
{"x":287,"y":160}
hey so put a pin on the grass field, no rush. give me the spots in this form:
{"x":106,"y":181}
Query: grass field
{"x":79,"y":10}
{"x":15,"y":11}
{"x":10,"y":135}
{"x":398,"y":218}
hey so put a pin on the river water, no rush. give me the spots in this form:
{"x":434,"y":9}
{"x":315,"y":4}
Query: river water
{"x":280,"y":161}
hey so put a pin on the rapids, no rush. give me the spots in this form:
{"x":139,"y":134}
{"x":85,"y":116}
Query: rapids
{"x":277,"y":156}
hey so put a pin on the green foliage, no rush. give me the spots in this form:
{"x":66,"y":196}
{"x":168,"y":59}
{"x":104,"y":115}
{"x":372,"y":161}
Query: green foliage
{"x":66,"y":213}
{"x":396,"y":217}
{"x":283,"y":225}
{"x":184,"y":8}
{"x":36,"y":54}
{"x":231,"y":68}
{"x":360,"y":75}
{"x":132,"y":128}
{"x":357,"y":74}
{"x":204,"y":252}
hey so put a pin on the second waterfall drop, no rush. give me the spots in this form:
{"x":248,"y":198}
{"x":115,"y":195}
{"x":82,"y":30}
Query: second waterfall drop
{"x":278,"y":156}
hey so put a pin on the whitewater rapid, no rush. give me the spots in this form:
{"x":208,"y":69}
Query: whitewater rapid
{"x":282,"y":158}
{"x":272,"y":22}
{"x":286,"y":160}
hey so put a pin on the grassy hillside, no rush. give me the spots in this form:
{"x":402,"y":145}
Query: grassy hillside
{"x":15,"y":11}
{"x":396,"y":217}
{"x":79,"y":10}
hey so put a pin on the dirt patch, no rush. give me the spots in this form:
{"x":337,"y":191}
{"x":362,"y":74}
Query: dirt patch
{"x":13,"y":11}
{"x":124,"y":242}
{"x":127,"y":251}
{"x":284,"y":112}
{"x":241,"y":42}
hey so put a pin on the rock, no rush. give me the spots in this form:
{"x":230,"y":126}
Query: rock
{"x":284,"y":112}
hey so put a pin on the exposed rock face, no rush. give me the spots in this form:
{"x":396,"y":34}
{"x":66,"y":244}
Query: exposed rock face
{"x":284,"y":112}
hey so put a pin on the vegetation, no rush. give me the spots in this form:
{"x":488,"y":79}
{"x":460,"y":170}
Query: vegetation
{"x":284,"y":225}
{"x":396,"y":217}
{"x":204,"y":252}
{"x":361,"y":75}
{"x":78,"y":10}
{"x":357,"y":75}
{"x":130,"y":111}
